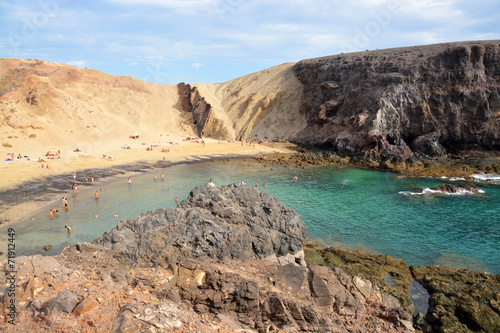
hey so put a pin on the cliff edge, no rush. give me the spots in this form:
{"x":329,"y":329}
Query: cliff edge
{"x":432,"y":100}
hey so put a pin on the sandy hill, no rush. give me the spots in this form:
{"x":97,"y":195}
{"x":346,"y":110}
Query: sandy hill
{"x":261,"y":105}
{"x":46,"y":104}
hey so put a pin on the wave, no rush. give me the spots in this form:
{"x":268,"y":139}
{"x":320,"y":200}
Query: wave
{"x":493,"y":177}
{"x":445,"y":190}
{"x":453,"y":179}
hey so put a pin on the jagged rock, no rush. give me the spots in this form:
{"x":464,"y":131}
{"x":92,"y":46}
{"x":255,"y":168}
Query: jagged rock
{"x":236,"y":221}
{"x":374,"y":268}
{"x":84,"y":306}
{"x":65,"y":302}
{"x":453,"y":189}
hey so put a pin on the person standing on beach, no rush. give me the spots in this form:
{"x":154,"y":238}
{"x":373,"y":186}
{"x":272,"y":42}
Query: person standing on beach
{"x":65,"y":202}
{"x":92,"y":179}
{"x":164,"y":160}
{"x":154,"y":177}
{"x":74,"y":176}
{"x":130,"y":180}
{"x":162,"y":176}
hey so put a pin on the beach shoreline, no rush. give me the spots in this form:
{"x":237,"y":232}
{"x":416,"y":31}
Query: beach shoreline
{"x":26,"y":187}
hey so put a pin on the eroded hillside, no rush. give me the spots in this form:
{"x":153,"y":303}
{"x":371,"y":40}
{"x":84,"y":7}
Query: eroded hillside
{"x":56,"y":104}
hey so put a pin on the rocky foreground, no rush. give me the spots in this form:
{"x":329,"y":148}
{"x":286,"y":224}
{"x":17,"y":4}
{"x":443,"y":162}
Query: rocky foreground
{"x":229,"y":259}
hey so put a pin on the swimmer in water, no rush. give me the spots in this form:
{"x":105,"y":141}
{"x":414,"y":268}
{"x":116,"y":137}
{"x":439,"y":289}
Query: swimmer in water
{"x":96,"y":195}
{"x":176,"y":200}
{"x":68,"y":228}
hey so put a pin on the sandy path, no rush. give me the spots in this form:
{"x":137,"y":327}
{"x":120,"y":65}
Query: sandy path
{"x":17,"y":177}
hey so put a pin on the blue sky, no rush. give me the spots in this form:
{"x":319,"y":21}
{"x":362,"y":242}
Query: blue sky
{"x":213,"y":41}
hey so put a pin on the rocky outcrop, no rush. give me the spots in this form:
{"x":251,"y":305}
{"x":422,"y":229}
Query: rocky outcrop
{"x":457,"y":189}
{"x":391,"y":103}
{"x":222,"y":261}
{"x":460,"y":300}
{"x":391,"y":275}
{"x":455,"y":300}
{"x":235,"y":221}
{"x":192,"y":101}
{"x":89,"y":289}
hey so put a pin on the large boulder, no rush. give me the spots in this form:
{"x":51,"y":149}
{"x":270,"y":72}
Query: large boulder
{"x":235,"y":221}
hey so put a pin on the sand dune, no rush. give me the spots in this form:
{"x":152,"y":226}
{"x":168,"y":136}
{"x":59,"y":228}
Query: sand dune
{"x":262,"y":105}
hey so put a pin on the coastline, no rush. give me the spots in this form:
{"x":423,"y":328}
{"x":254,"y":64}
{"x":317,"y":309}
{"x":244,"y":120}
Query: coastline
{"x":21,"y":194}
{"x":28,"y":188}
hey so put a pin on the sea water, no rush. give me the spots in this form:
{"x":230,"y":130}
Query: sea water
{"x":379,"y":212}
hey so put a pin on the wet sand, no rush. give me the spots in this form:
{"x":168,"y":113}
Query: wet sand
{"x":25,"y":187}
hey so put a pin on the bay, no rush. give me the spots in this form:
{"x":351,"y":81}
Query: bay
{"x":376,"y":211}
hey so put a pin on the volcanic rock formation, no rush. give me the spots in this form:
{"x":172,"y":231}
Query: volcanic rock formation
{"x":429,"y":99}
{"x":234,"y":221}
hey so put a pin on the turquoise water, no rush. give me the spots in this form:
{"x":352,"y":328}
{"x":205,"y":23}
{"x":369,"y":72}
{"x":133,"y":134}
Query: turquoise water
{"x":371,"y":210}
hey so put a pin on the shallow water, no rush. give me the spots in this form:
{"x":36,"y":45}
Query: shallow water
{"x":369,"y":211}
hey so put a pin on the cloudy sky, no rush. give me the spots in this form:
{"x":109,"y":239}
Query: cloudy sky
{"x":209,"y":41}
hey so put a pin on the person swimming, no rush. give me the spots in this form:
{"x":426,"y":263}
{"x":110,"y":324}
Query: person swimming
{"x":68,"y":228}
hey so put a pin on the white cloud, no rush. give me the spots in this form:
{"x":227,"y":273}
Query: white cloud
{"x":77,"y":63}
{"x":197,"y":65}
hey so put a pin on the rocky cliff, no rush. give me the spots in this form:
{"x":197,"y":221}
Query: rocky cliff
{"x":431,"y":99}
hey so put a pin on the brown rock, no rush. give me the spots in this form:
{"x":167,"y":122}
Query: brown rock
{"x":84,"y":306}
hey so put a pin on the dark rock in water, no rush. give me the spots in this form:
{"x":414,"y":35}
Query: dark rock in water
{"x":47,"y":247}
{"x":235,"y":221}
{"x":447,"y":188}
{"x":461,"y":300}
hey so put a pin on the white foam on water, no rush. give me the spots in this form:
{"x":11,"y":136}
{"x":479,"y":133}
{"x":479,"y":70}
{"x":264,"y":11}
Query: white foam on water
{"x":409,"y":193}
{"x":486,"y":177}
{"x":454,"y":179}
{"x":430,"y":191}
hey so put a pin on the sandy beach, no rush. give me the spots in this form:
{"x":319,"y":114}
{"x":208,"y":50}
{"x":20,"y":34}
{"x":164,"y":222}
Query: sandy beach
{"x":26,"y":186}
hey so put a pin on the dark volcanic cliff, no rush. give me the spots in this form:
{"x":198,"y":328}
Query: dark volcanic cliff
{"x":431,"y":99}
